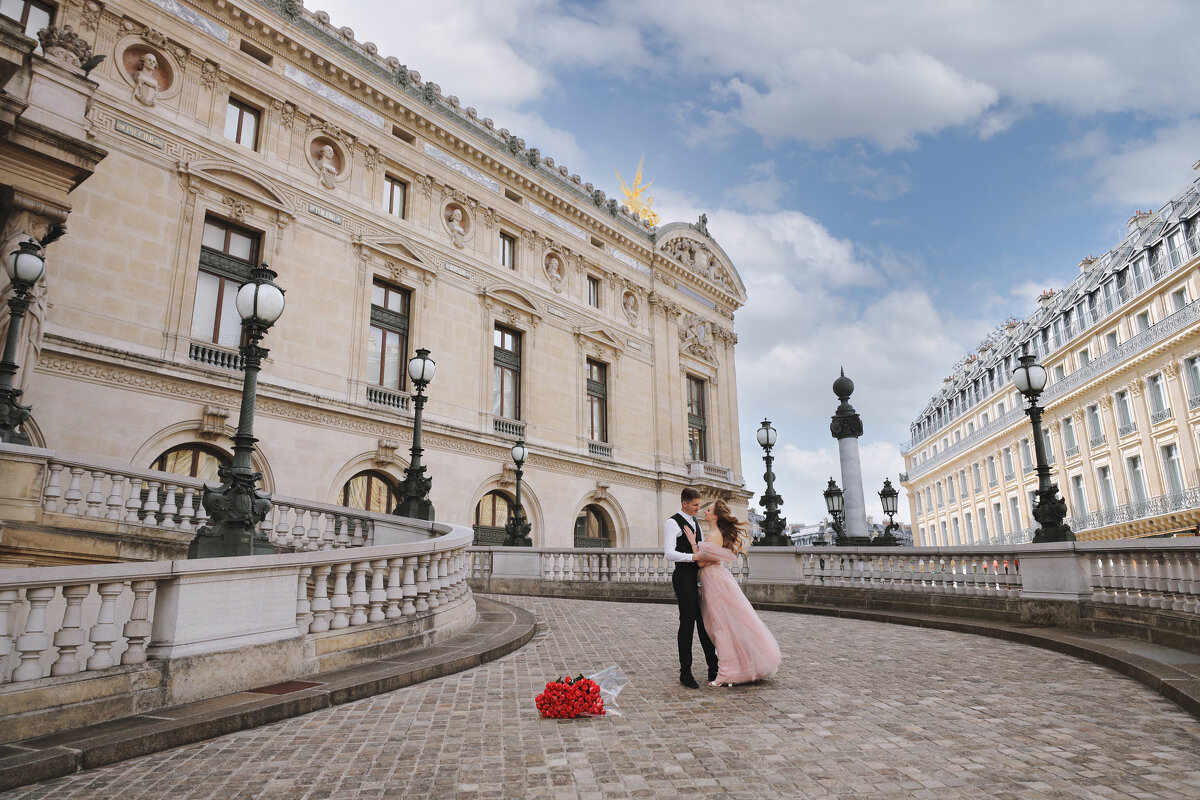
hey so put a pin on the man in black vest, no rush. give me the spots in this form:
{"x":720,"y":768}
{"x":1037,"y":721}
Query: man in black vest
{"x":685,"y":579}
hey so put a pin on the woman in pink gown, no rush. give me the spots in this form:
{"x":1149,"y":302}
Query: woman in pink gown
{"x":746,"y":650}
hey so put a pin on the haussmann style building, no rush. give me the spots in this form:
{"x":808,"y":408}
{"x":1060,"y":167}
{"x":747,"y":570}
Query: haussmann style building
{"x":219,"y":134}
{"x":1121,"y":345}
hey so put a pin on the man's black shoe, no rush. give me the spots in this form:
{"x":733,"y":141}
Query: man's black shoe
{"x":687,"y":680}
{"x":712,"y":675}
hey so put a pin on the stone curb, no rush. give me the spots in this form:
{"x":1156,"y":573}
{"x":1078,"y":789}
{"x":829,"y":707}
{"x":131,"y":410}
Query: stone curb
{"x":499,"y":630}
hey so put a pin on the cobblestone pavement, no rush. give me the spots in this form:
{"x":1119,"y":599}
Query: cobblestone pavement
{"x":859,"y":710}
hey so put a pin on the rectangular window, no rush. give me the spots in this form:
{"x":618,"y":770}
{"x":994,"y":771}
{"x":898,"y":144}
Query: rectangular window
{"x":929,"y":498}
{"x":597,"y":400}
{"x":1157,"y":390}
{"x":962,"y":482}
{"x":1014,"y":511}
{"x":506,"y":365}
{"x":945,"y":538}
{"x":241,"y":124}
{"x":1048,"y":444}
{"x":1124,"y":411}
{"x":1143,"y":321}
{"x":387,"y":347}
{"x":32,"y":15}
{"x":983,"y":525}
{"x":593,"y":292}
{"x":1068,"y":432}
{"x":1192,"y":368}
{"x":1137,"y":478}
{"x":395,"y":191}
{"x":1008,"y":463}
{"x":999,"y":519}
{"x":1078,"y":495}
{"x":1179,"y":299}
{"x":1172,"y":468}
{"x":957,"y":533}
{"x":941,"y":497}
{"x":1085,"y":358}
{"x":1026,"y":454}
{"x":1095,"y":428}
{"x":1112,"y":341}
{"x":991,"y":466}
{"x":975,"y":476}
{"x":950,"y":488}
{"x":227,"y":254}
{"x":697,"y":422}
{"x":917,"y":499}
{"x":1108,"y":496}
{"x":970,"y":528}
{"x":1060,"y":372}
{"x":508,"y":251}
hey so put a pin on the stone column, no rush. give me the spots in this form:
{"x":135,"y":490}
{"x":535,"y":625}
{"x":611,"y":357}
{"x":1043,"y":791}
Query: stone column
{"x":846,"y":427}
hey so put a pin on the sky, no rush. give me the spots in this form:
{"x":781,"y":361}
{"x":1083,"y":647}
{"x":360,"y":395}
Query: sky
{"x":891,"y":180}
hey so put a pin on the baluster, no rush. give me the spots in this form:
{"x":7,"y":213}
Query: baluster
{"x":283,"y":531}
{"x":435,"y":582}
{"x":137,"y":629}
{"x":74,"y":495}
{"x":1190,"y":586}
{"x":8,"y":597}
{"x":444,"y":578}
{"x":134,"y":504}
{"x":328,"y":539}
{"x":187,"y":509}
{"x":378,"y":591}
{"x":116,"y":498}
{"x":341,"y":598}
{"x":1141,"y":592}
{"x":410,"y":587}
{"x":70,"y":637}
{"x":1154,"y":595}
{"x":95,"y":495}
{"x":1175,"y":579}
{"x":422,"y":583}
{"x":314,"y":525}
{"x":104,"y":632}
{"x":343,"y":533}
{"x":34,"y":640}
{"x":53,"y":489}
{"x":360,"y":597}
{"x":359,"y":532}
{"x":299,"y":529}
{"x":169,"y":509}
{"x":151,"y":505}
{"x":320,"y":602}
{"x":395,"y":588}
{"x":304,"y":616}
{"x":201,"y":515}
{"x":1102,"y":580}
{"x":1014,"y":579}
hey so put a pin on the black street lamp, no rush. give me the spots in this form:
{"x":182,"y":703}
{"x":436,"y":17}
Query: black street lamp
{"x":24,"y":266}
{"x":516,"y":531}
{"x":414,"y":491}
{"x":237,"y":507}
{"x":1050,"y":511}
{"x":772,"y":527}
{"x":835,"y":504}
{"x":888,"y":497}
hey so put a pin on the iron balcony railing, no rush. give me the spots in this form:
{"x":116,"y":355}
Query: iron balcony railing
{"x":1142,"y":509}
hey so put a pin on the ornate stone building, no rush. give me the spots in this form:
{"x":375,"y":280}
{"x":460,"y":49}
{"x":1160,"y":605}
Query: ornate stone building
{"x":239,"y":132}
{"x":1121,"y":345}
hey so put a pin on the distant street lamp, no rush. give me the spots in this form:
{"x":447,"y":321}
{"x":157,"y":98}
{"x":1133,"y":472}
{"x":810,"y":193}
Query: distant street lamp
{"x":1050,"y":511}
{"x":888,"y":497}
{"x":414,"y":491}
{"x":516,"y":532}
{"x":237,"y":507}
{"x":24,"y":266}
{"x":835,"y":504}
{"x":772,"y":526}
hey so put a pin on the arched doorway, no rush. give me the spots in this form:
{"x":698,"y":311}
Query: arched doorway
{"x":371,"y":490}
{"x":592,"y":528}
{"x":491,"y":516}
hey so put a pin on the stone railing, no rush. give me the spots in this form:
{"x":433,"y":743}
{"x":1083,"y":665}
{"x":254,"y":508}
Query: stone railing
{"x":61,"y":625}
{"x":586,"y":565}
{"x":508,"y":427}
{"x":87,"y":489}
{"x":377,"y":395}
{"x":700,"y":470}
{"x":1130,"y":512}
{"x":215,"y":356}
{"x":600,"y":449}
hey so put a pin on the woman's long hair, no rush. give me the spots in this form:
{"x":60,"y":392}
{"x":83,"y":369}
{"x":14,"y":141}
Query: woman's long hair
{"x":734,"y":535}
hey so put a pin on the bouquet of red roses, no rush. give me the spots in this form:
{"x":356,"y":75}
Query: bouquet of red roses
{"x":569,"y":698}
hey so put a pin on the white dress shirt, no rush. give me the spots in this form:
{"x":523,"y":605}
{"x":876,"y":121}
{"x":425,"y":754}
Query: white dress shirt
{"x":671,"y":531}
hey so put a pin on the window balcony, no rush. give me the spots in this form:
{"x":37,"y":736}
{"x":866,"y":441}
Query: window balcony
{"x":508,"y":427}
{"x":1096,"y":441}
{"x":1071,"y":452}
{"x":1160,"y":416}
{"x":699,"y":470}
{"x":1194,"y":402}
{"x":993,"y":483}
{"x":1008,"y":476}
{"x":212,"y":356}
{"x":1125,"y":430}
{"x":1028,"y":468}
{"x":377,"y":395}
{"x":600,"y":449}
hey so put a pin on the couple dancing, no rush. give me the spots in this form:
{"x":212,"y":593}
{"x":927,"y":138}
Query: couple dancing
{"x":737,"y":645}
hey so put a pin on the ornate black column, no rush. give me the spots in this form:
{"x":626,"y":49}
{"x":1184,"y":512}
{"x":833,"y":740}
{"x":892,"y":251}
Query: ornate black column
{"x":21,"y":266}
{"x":773,"y":525}
{"x":516,"y":530}
{"x":414,"y":491}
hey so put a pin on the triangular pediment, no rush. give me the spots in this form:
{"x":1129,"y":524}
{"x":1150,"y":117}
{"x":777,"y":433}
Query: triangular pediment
{"x":239,"y":180}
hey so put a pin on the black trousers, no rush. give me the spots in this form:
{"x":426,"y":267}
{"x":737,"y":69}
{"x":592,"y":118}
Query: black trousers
{"x":687,"y":595}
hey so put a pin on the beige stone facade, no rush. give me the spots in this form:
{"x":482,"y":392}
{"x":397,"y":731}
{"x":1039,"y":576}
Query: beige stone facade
{"x":1121,"y":345}
{"x":395,"y":219}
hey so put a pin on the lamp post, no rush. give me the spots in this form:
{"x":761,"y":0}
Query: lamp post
{"x":888,"y":497}
{"x":835,"y":504}
{"x":773,"y":525}
{"x":516,"y":531}
{"x":237,"y":506}
{"x":414,"y":491}
{"x":24,"y":266}
{"x":1050,"y":511}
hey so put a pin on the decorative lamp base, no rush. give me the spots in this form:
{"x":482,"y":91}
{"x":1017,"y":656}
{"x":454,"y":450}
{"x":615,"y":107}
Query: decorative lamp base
{"x":236,"y":508}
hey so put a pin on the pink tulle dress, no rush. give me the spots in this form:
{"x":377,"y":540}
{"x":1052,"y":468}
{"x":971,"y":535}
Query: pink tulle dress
{"x":746,"y":650}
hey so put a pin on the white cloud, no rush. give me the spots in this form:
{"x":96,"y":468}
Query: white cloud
{"x":762,"y":191}
{"x":1148,"y":172}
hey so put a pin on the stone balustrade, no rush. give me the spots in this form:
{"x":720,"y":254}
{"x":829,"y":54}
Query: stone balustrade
{"x":598,"y":564}
{"x":208,"y":627}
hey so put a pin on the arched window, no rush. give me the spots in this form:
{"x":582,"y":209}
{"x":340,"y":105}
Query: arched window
{"x":371,"y":491}
{"x":491,"y":516}
{"x":192,"y":460}
{"x":591,"y":528}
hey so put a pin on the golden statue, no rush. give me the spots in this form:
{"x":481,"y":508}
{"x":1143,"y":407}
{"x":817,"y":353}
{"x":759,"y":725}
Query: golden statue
{"x":633,"y":195}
